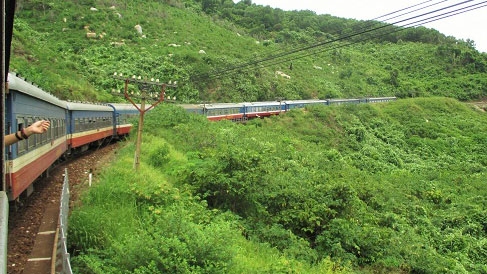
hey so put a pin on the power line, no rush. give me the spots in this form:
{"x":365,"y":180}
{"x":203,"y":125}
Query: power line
{"x":396,"y":26}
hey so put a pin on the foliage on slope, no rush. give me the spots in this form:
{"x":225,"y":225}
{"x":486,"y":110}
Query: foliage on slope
{"x":51,"y":48}
{"x":396,"y":187}
{"x":143,"y":223}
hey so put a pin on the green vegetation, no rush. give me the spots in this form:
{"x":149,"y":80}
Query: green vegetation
{"x":396,"y":187}
{"x":51,"y":48}
{"x":148,"y":223}
{"x":385,"y":188}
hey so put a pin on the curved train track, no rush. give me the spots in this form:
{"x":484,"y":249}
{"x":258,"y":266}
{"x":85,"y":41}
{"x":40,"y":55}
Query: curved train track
{"x":26,"y":218}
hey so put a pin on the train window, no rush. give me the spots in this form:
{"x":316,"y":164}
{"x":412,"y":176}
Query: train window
{"x":81,"y":124}
{"x":50,"y":131}
{"x":44,"y":136}
{"x":61,"y":128}
{"x":31,"y":142}
{"x":55,"y":129}
{"x":52,"y":135}
{"x":58,"y":130}
{"x":21,"y":145}
{"x":76,"y":125}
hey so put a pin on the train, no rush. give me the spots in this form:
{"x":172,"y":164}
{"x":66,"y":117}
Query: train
{"x":76,"y":127}
{"x":246,"y":111}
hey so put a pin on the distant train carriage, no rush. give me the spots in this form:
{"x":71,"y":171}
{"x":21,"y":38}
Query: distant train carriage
{"x":343,"y":101}
{"x":28,"y":159}
{"x":225,"y":111}
{"x":303,"y":103}
{"x":380,"y":99}
{"x":194,"y":108}
{"x":262,"y":109}
{"x":123,"y":114}
{"x":89,"y":124}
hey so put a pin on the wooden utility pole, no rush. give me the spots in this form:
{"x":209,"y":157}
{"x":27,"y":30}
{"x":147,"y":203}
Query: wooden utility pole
{"x":144,"y":86}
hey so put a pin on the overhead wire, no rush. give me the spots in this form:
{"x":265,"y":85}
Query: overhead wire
{"x":413,"y":24}
{"x":402,"y":24}
{"x":397,"y":25}
{"x":360,"y":31}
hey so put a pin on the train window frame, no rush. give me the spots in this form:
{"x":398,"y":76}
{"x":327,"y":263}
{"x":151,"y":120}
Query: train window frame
{"x":21,"y":145}
{"x":61,"y":128}
{"x":77,"y":124}
{"x":50,"y":131}
{"x":56,"y":131}
{"x":82,"y":124}
{"x":31,"y":142}
{"x":44,"y":137}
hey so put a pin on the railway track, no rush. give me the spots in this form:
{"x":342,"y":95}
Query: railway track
{"x":30,"y":222}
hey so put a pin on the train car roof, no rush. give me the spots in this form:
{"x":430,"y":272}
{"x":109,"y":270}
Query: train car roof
{"x":124,"y":106}
{"x":263,"y":103}
{"x":20,"y":85}
{"x":87,"y":106}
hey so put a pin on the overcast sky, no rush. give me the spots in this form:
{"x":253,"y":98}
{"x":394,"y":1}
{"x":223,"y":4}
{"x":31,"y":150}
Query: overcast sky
{"x":468,"y":25}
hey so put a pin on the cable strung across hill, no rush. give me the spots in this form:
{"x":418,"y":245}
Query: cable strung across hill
{"x":375,"y":27}
{"x":385,"y":30}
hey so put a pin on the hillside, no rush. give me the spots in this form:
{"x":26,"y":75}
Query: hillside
{"x":396,"y":187}
{"x":212,"y":49}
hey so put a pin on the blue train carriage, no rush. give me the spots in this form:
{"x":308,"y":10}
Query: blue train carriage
{"x":193,"y":108}
{"x":123,"y":115}
{"x":224,"y":111}
{"x":88,"y":125}
{"x":343,"y":101}
{"x":263,"y":109}
{"x":380,"y":99}
{"x":289,"y":105}
{"x":28,"y":159}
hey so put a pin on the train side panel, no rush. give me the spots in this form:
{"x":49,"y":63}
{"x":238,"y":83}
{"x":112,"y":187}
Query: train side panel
{"x":28,"y":159}
{"x":244,"y":111}
{"x":303,"y":103}
{"x":123,"y":114}
{"x":24,"y":170}
{"x":380,"y":99}
{"x":343,"y":101}
{"x":89,"y":124}
{"x":262,"y":109}
{"x":225,"y":111}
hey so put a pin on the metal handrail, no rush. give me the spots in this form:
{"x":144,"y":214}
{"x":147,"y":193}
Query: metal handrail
{"x":3,"y":231}
{"x":62,"y":255}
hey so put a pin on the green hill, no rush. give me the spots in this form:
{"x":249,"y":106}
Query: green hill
{"x":377,"y":188}
{"x":241,"y":43}
{"x":396,"y":187}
